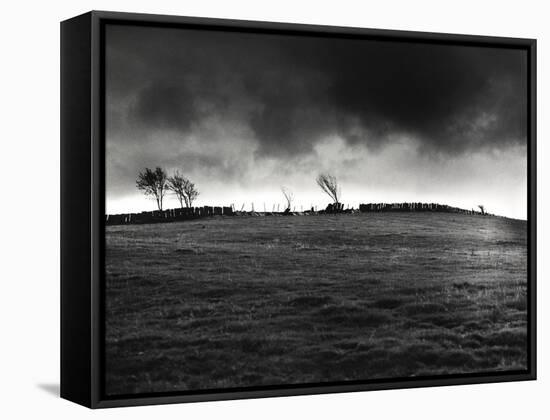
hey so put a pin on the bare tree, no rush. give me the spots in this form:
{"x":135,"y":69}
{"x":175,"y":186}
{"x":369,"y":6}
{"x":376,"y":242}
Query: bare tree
{"x":482,"y":208}
{"x":184,"y":189}
{"x":191,"y":192}
{"x":289,"y":197}
{"x":154,"y":183}
{"x":329,"y":184}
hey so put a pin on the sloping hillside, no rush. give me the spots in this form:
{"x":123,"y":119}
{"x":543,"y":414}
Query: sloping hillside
{"x":248,"y":301}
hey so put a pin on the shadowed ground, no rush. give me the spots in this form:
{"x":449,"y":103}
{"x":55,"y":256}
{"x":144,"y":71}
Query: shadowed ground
{"x":246,"y":301}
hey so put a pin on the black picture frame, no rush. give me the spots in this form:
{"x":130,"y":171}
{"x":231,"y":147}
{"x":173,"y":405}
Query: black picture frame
{"x":83,"y":204}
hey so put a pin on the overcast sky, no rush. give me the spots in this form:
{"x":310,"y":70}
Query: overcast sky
{"x":244,"y":114}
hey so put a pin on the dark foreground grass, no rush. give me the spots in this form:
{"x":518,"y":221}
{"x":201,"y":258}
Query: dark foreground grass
{"x":246,"y":301}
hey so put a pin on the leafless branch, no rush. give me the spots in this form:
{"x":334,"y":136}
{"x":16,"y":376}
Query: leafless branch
{"x":153,"y":183}
{"x":289,"y":197}
{"x":185,"y":190}
{"x":329,"y":184}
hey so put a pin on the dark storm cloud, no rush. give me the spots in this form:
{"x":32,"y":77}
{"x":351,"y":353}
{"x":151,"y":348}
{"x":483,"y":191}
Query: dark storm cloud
{"x":165,"y":105}
{"x":450,"y":98}
{"x":292,"y":92}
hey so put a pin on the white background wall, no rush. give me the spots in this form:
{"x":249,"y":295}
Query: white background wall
{"x":29,"y":173}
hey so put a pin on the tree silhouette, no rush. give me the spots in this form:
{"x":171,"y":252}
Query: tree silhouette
{"x":482,"y":208}
{"x":289,"y":197}
{"x":329,"y":184}
{"x":153,"y":183}
{"x":184,"y":189}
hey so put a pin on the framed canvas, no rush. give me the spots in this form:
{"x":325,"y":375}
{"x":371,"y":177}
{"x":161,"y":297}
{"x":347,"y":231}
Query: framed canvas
{"x":255,"y":209}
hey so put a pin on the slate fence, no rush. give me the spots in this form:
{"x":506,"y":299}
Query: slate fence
{"x":190,"y":213}
{"x":413,"y":207}
{"x":169,"y":215}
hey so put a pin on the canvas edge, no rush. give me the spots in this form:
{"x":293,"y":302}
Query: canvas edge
{"x":75,"y":201}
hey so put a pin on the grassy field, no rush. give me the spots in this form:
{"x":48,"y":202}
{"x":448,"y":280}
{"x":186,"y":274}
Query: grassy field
{"x":245,"y":301}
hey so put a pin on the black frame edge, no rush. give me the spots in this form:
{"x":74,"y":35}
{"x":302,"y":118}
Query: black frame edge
{"x":312,"y":390}
{"x":97,"y":150}
{"x":532,"y":205}
{"x":76,"y":187}
{"x":297,"y":28}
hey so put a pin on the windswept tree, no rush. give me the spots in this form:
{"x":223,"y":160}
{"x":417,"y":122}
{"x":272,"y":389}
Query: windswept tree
{"x":185,"y":190}
{"x":482,"y":208}
{"x":329,"y":184}
{"x":176,"y":185}
{"x":153,"y":183}
{"x":289,"y":197}
{"x":190,"y":191}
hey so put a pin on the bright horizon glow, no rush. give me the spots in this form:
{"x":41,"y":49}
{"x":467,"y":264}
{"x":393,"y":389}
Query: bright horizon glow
{"x":463,"y":182}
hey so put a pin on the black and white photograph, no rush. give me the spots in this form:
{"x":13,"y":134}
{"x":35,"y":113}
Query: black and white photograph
{"x":285,"y":209}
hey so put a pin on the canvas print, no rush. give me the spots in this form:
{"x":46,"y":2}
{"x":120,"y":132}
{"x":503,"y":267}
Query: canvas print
{"x":285,"y":209}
